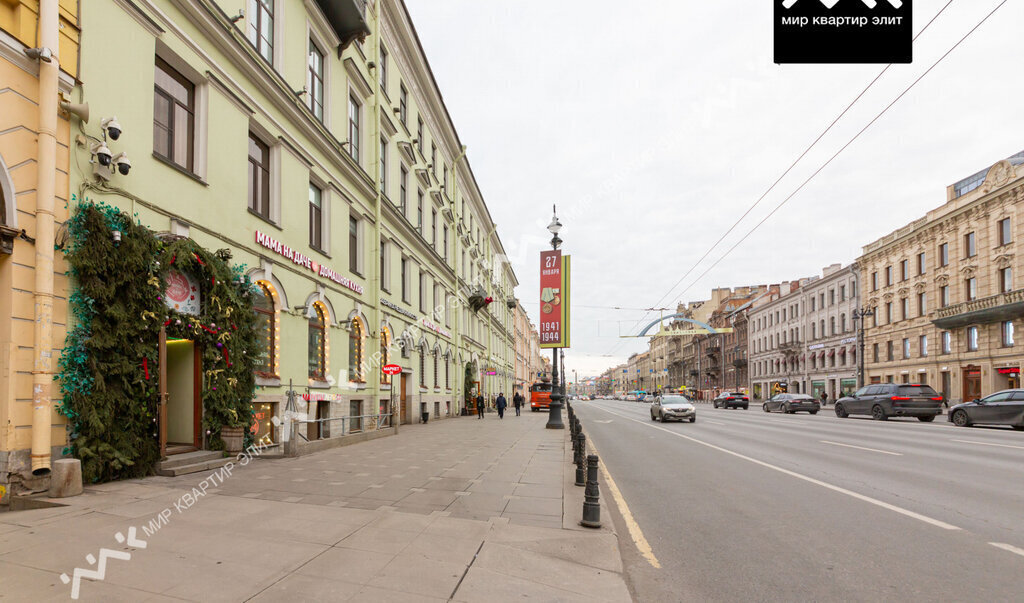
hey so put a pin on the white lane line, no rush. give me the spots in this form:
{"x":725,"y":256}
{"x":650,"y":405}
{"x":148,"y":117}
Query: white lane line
{"x":1008,"y":547}
{"x":713,"y":422}
{"x":817,"y":482}
{"x":861,"y":448}
{"x":642,"y":546}
{"x":988,"y":444}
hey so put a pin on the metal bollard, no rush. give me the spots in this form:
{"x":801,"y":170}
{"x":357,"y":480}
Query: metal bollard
{"x":591,"y":496}
{"x":580,"y":480}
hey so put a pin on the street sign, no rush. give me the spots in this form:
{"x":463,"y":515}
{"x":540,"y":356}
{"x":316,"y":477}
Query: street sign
{"x":554,"y":300}
{"x":391,"y":369}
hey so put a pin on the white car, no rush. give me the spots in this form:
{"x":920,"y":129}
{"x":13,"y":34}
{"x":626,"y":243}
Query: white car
{"x":673,"y":407}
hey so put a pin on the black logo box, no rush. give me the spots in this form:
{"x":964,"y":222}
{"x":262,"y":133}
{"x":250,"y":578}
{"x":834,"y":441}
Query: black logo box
{"x":849,"y":32}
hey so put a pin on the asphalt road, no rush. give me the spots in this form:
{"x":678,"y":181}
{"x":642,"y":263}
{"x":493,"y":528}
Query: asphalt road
{"x":749,"y":506}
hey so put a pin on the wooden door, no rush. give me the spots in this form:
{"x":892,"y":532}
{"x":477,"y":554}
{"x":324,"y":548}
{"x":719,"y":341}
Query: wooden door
{"x":972,"y":383}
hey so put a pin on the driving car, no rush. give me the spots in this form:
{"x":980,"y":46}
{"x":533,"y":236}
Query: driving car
{"x":792,"y":403}
{"x":884,"y":400}
{"x":1001,"y":408}
{"x":672,"y":407}
{"x":731,"y":400}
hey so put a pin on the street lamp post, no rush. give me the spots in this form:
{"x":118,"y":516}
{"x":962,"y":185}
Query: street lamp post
{"x":859,"y":315}
{"x":557,"y":390}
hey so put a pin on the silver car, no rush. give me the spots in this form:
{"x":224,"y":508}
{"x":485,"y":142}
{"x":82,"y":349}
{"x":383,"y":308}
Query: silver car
{"x":669,"y":407}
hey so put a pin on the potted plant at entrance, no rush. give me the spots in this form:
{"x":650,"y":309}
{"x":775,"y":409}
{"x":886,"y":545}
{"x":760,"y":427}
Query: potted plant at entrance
{"x":233,"y":434}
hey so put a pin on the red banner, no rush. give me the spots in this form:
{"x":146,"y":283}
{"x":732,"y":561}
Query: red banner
{"x":550,"y":299}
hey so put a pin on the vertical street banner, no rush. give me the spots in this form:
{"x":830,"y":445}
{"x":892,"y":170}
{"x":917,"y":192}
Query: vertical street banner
{"x":554,"y":300}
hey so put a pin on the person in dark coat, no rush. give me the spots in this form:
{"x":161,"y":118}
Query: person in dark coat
{"x":500,"y":404}
{"x":517,"y":401}
{"x":480,"y":405}
{"x":824,"y":398}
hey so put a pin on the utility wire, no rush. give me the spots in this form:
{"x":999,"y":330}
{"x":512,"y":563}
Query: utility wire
{"x":851,"y":141}
{"x":786,"y":172}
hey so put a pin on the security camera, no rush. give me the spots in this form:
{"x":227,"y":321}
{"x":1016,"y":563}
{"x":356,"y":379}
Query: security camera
{"x":111,"y":127}
{"x":102,"y":153}
{"x":122,"y":163}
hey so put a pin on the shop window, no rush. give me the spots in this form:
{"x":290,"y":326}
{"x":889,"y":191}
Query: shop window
{"x":266,"y":320}
{"x":317,"y":340}
{"x":355,"y":351}
{"x":385,"y":354}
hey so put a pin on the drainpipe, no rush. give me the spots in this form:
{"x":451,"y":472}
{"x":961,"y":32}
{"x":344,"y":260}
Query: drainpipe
{"x":460,"y":396}
{"x":378,"y":230}
{"x":42,"y":368}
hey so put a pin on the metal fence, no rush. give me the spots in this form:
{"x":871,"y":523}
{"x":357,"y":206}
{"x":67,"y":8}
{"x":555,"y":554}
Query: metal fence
{"x":351,"y":424}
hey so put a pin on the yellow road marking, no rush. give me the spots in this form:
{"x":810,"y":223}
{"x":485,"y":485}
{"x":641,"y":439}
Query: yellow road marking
{"x":642,"y":546}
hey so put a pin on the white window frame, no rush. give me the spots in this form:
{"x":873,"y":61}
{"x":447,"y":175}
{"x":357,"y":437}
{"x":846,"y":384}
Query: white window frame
{"x":201,"y":112}
{"x":275,"y":167}
{"x":279,"y":26}
{"x":316,"y":36}
{"x":325,"y":211}
{"x":355,"y":152}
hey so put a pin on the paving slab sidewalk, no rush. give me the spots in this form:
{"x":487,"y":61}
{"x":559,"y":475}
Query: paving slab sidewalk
{"x":455,"y":510}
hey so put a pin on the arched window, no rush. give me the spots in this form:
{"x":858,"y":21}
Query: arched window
{"x":266,"y":321}
{"x":832,"y":325}
{"x":842,"y":322}
{"x":447,"y":373}
{"x":355,"y":352}
{"x":423,"y":366}
{"x":385,"y":354}
{"x":437,"y":358}
{"x":317,"y":342}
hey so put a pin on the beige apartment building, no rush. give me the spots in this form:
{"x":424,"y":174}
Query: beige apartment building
{"x":942,"y":288}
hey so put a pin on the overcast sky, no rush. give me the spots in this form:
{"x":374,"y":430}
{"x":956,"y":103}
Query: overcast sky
{"x":654,"y":125}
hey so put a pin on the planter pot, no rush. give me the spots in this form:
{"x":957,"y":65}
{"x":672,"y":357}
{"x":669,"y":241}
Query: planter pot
{"x":233,"y":438}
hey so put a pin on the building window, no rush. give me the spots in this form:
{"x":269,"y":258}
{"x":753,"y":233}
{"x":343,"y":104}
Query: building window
{"x":922,"y":346}
{"x":831,"y":297}
{"x":419,"y":134}
{"x":317,"y":353}
{"x":1005,"y":279}
{"x":383,"y":69}
{"x":888,"y":351}
{"x":447,"y":372}
{"x":947,"y":342}
{"x":403,"y":191}
{"x":832,"y":325}
{"x":423,"y":367}
{"x":944,"y":254}
{"x":1007,"y":333}
{"x":355,"y":352}
{"x":405,"y":280}
{"x":433,"y":159}
{"x":904,"y":270}
{"x":943,"y":296}
{"x":353,"y":127}
{"x":905,"y":302}
{"x":874,"y":352}
{"x":266,"y":320}
{"x":174,"y":118}
{"x":384,"y":166}
{"x":433,"y":228}
{"x":261,"y":27}
{"x":972,"y":339}
{"x":384,"y":276}
{"x":437,"y":357}
{"x":423,"y":291}
{"x":813,"y":336}
{"x":906,"y":348}
{"x":315,"y":82}
{"x":920,"y":264}
{"x":1005,"y":238}
{"x":971,"y":288}
{"x":444,"y":253}
{"x":385,"y":355}
{"x":969,"y":246}
{"x":403,"y":104}
{"x":316,"y":218}
{"x":874,"y":282}
{"x":922,"y":304}
{"x":842,"y":322}
{"x":419,"y":210}
{"x":842,"y":293}
{"x":353,"y":244}
{"x":259,"y":177}
{"x":812,"y":303}
{"x":888,"y":313}
{"x":888,"y":275}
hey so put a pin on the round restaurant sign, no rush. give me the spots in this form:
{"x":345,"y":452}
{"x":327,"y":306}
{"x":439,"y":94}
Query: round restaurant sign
{"x":391,"y":369}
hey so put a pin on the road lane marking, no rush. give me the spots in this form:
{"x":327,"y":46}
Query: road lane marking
{"x":642,"y":546}
{"x":861,"y":448}
{"x":834,"y":488}
{"x":988,"y":444}
{"x":1008,"y":547}
{"x":713,"y":422}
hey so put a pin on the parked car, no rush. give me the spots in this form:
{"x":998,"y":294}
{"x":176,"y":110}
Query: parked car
{"x":791,"y":403}
{"x":731,"y":400}
{"x":1001,"y":408}
{"x":884,"y":400}
{"x":670,"y":407}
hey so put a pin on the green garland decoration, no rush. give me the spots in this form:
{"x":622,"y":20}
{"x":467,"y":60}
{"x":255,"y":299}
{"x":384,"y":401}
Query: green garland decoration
{"x":109,"y":372}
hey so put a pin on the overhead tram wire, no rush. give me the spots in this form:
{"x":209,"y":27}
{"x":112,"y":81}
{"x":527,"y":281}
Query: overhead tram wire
{"x":785,"y":173}
{"x":851,"y":141}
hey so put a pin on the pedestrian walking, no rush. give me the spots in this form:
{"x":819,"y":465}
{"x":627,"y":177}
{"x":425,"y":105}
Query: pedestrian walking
{"x":500,"y":404}
{"x":480,"y":406}
{"x":517,"y":400}
{"x":824,"y":398}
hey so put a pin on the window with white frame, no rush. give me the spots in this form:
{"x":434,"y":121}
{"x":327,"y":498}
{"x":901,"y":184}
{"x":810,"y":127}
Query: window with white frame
{"x":261,"y":28}
{"x":315,"y":81}
{"x":972,"y":339}
{"x":354,"y":125}
{"x":1006,"y":333}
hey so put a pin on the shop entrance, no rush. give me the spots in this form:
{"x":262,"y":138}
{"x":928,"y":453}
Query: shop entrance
{"x":403,"y":399}
{"x":184,"y":396}
{"x":972,"y":383}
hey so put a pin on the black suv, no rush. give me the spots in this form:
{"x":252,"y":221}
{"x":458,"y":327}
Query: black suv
{"x":731,"y":400}
{"x":884,"y":400}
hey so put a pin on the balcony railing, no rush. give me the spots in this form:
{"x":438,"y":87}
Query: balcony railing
{"x":346,"y":18}
{"x":994,"y":308}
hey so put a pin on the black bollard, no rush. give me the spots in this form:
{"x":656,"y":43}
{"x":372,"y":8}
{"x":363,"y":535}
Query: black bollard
{"x":591,"y":496}
{"x":580,"y":479}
